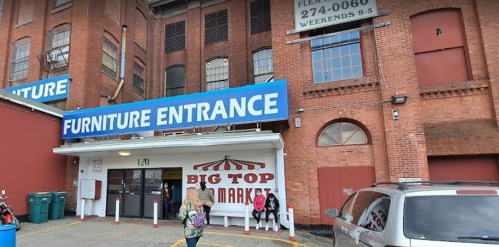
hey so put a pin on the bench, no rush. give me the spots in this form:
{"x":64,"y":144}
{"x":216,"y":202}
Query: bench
{"x":227,"y":214}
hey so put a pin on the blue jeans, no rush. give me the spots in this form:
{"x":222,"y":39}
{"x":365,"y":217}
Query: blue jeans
{"x":165,"y":210}
{"x":191,"y":242}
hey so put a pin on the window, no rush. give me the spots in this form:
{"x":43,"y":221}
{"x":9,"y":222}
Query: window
{"x":20,"y":59}
{"x":110,"y":58}
{"x":60,"y":2}
{"x":217,"y":74}
{"x":175,"y":81}
{"x":216,"y":27}
{"x":263,"y":66}
{"x":58,"y":54}
{"x":260,"y":16}
{"x":439,"y":47}
{"x":345,"y":211}
{"x":342,"y":133}
{"x":175,"y":37}
{"x":445,"y":217}
{"x":337,"y":58}
{"x":371,"y":210}
{"x":138,"y":79}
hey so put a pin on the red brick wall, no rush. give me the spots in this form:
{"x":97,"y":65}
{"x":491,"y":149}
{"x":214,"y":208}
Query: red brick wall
{"x":28,"y":164}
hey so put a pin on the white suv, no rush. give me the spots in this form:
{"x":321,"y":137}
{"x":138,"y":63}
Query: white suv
{"x":430,"y":213}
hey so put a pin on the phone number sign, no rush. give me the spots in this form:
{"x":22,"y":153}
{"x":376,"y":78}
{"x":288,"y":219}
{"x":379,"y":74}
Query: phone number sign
{"x":312,"y":14}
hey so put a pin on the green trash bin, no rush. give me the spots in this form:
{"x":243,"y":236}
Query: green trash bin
{"x":61,"y":196}
{"x":39,"y":206}
{"x":54,"y":206}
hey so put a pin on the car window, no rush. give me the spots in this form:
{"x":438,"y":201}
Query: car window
{"x":360,"y":205}
{"x":445,"y":218}
{"x":345,"y":211}
{"x":375,"y":216}
{"x":370,"y":210}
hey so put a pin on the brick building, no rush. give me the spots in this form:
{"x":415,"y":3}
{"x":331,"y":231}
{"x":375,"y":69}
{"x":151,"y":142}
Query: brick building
{"x":343,"y":132}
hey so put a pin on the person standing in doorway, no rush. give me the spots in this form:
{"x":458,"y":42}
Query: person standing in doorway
{"x":272,"y":207}
{"x":166,"y":201}
{"x":208,"y":201}
{"x":258,"y":207}
{"x":176,"y":198}
{"x":188,"y":213}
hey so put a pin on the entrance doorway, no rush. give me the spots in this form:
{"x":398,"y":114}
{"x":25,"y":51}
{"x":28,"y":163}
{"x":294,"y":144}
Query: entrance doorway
{"x":137,"y":190}
{"x":127,"y":186}
{"x":173,"y":177}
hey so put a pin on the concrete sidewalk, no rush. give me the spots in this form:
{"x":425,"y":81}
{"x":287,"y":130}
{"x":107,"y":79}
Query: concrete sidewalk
{"x":140,"y":232}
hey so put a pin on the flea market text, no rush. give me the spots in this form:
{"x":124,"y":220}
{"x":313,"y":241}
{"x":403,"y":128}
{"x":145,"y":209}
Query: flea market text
{"x":235,"y":194}
{"x":311,"y":14}
{"x":262,"y":102}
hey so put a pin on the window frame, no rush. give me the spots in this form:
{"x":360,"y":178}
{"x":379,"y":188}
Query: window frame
{"x":217,"y":27}
{"x":174,"y":88}
{"x":225,"y":62}
{"x":140,"y":78}
{"x":264,"y":18}
{"x":61,"y":29}
{"x":175,"y":36}
{"x":359,"y":126}
{"x":104,"y":68}
{"x":355,"y":56}
{"x":21,"y":60}
{"x":271,"y":73}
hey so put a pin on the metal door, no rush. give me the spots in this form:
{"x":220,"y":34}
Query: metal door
{"x":127,"y":186}
{"x":153,"y":184}
{"x":133,"y":193}
{"x":115,"y":190}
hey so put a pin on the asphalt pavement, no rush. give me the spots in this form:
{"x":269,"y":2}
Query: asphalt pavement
{"x":71,"y":231}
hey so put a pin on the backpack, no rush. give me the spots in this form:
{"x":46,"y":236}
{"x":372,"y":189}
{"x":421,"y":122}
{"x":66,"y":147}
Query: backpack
{"x":198,"y":219}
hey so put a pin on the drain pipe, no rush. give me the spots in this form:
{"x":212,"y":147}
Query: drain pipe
{"x":122,"y":66}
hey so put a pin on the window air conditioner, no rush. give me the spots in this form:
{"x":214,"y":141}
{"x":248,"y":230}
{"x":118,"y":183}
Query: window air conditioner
{"x":58,"y":55}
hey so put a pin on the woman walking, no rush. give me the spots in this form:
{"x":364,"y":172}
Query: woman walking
{"x":189,"y":210}
{"x":208,"y":201}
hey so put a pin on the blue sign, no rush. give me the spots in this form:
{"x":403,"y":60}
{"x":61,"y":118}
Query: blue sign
{"x":53,"y":88}
{"x":255,"y":103}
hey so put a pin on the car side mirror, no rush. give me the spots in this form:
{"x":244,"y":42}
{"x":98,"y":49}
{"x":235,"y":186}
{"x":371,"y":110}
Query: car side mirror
{"x":332,"y":212}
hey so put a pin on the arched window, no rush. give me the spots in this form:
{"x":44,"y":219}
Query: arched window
{"x":217,"y":74}
{"x":342,"y":133}
{"x":58,"y":46}
{"x":175,"y":81}
{"x":20,"y":59}
{"x":263,"y":66}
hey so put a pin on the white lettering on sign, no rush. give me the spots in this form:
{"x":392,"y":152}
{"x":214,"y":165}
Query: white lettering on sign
{"x":43,"y":90}
{"x":311,"y":14}
{"x":255,"y":106}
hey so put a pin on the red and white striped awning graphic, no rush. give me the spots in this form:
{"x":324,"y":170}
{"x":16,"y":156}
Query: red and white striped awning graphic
{"x":229,"y":164}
